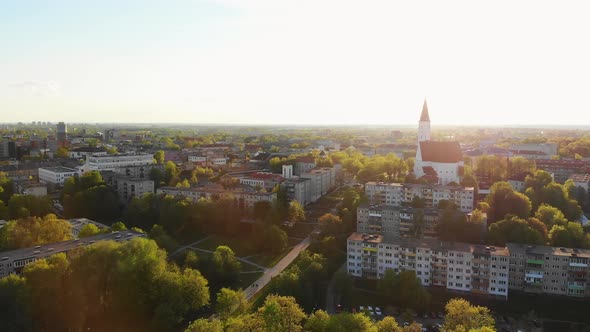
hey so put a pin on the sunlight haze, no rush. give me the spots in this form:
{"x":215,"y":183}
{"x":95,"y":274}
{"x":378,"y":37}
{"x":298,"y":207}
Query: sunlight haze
{"x":295,"y":62}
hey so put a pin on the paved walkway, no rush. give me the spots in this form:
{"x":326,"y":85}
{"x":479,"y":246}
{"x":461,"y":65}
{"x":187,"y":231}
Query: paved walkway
{"x":275,"y":270}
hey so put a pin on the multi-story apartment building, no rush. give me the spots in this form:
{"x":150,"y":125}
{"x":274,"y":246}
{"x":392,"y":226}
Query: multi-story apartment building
{"x":262,"y":180}
{"x":128,"y":187}
{"x":56,"y":175}
{"x":562,"y":169}
{"x":547,"y":149}
{"x":397,"y":221}
{"x":550,"y":270}
{"x":304,"y":164}
{"x":245,"y":199}
{"x":112,"y":162}
{"x":321,"y":181}
{"x":85,"y":152}
{"x":473,"y":268}
{"x":298,"y":189}
{"x":13,"y":262}
{"x":398,"y":193}
{"x":142,"y":171}
{"x":455,"y":266}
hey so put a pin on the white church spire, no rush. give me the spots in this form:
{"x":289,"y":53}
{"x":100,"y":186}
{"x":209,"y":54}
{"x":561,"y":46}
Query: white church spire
{"x":424,"y":124}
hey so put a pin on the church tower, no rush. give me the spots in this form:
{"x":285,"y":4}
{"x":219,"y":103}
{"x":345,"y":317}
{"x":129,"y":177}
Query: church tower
{"x":424,"y":125}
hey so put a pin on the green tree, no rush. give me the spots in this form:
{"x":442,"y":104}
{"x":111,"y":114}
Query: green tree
{"x":281,"y":314}
{"x":570,"y":235}
{"x":514,"y":229}
{"x":191,"y":260}
{"x":16,"y":304}
{"x":183,"y":184}
{"x":504,"y":200}
{"x":118,"y":226}
{"x":296,"y":212}
{"x":550,"y":215}
{"x":231,"y":303}
{"x":405,"y":288}
{"x":492,"y":168}
{"x":157,"y":176}
{"x":227,"y":267}
{"x":28,"y":232}
{"x":317,"y":321}
{"x":112,"y":286}
{"x":62,"y":152}
{"x":276,"y":239}
{"x":159,"y":156}
{"x":170,"y":173}
{"x":205,"y":325}
{"x":388,"y":324}
{"x":23,"y":206}
{"x":331,"y":224}
{"x":89,"y":230}
{"x":350,"y":322}
{"x":463,"y":316}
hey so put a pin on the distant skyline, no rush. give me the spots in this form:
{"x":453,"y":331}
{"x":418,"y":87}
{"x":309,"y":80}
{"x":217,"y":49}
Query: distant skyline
{"x":295,"y":62}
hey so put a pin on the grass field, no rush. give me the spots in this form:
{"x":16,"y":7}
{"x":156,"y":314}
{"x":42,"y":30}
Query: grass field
{"x":268,"y":260}
{"x":241,"y":246}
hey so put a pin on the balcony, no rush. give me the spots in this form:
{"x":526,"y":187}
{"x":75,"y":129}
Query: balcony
{"x":535,"y":261}
{"x":576,"y":286}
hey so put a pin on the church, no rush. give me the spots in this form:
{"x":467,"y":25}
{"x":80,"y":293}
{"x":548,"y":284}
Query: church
{"x":438,"y":162}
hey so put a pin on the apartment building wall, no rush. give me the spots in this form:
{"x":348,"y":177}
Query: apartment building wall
{"x":397,"y":193}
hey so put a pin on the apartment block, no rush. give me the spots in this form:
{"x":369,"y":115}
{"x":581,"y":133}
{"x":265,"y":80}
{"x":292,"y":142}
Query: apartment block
{"x":398,"y":193}
{"x":549,"y":270}
{"x":562,"y":169}
{"x":128,"y":187}
{"x":397,"y":221}
{"x":262,"y":180}
{"x":321,"y":181}
{"x":455,"y":266}
{"x":298,"y":189}
{"x":245,"y":199}
{"x":13,"y":262}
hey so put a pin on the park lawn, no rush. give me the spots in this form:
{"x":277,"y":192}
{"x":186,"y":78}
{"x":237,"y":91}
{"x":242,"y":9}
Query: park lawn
{"x":245,"y":267}
{"x":241,"y":246}
{"x":269,"y":260}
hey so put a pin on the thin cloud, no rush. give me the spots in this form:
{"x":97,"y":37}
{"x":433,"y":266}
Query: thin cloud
{"x":37,"y":88}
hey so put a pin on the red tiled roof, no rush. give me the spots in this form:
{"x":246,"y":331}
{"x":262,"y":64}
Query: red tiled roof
{"x":428,"y":170}
{"x":441,"y":152}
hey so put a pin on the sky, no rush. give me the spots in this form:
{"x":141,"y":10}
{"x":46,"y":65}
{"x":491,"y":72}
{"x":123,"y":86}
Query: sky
{"x":295,"y":62}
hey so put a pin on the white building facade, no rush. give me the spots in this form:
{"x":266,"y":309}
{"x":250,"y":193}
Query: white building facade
{"x":112,"y":162}
{"x":56,"y":175}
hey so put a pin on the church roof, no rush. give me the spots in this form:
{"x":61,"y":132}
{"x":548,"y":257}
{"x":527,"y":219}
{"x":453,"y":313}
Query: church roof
{"x":441,"y":152}
{"x":424,"y":116}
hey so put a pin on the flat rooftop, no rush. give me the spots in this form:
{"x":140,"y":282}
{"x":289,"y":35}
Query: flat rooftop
{"x":54,"y":248}
{"x":547,"y":250}
{"x":59,"y":169}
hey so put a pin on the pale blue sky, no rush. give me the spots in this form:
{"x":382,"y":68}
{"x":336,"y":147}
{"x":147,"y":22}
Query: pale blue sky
{"x":300,"y":62}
